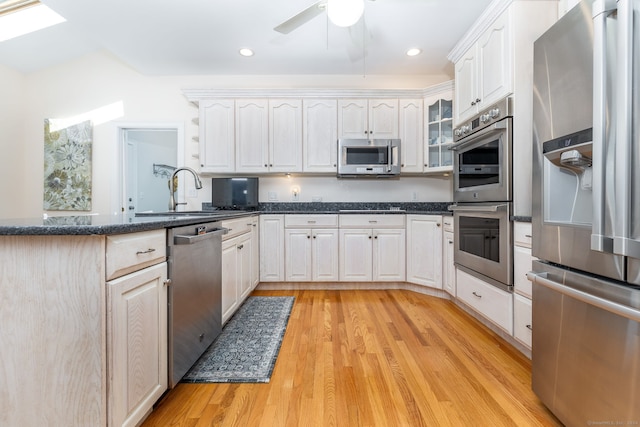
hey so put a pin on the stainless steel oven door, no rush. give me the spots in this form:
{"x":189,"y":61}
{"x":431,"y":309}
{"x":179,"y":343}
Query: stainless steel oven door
{"x":483,"y":241}
{"x":482,"y":165}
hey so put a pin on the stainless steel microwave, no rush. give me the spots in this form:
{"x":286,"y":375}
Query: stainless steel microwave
{"x":368,"y":157}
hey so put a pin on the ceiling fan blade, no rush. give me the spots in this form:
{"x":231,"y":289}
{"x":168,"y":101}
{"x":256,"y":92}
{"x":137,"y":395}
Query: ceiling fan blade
{"x":302,"y":18}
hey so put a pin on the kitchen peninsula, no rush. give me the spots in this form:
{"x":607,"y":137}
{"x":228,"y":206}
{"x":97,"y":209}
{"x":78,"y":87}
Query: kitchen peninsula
{"x":83,"y":315}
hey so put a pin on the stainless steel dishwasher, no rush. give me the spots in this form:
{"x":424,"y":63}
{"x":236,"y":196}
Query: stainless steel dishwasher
{"x":195,"y":293}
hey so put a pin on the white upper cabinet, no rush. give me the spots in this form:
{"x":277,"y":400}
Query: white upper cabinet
{"x":252,"y":135}
{"x":483,"y":75}
{"x":368,"y":118}
{"x":411,"y":135}
{"x":217,"y":135}
{"x":320,"y":135}
{"x":268,"y":135}
{"x":285,"y":135}
{"x":438,"y":132}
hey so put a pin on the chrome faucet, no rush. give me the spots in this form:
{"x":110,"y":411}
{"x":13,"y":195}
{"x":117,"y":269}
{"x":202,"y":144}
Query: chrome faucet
{"x":172,"y":200}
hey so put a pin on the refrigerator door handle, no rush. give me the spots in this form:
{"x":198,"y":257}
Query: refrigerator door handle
{"x":610,"y":306}
{"x":602,"y":9}
{"x":623,"y":243}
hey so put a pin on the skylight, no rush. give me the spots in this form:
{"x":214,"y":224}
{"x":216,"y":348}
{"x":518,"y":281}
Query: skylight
{"x":19,"y":17}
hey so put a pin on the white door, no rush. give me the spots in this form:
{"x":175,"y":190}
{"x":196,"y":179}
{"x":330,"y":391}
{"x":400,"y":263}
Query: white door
{"x":229,"y":278}
{"x":383,"y":118}
{"x":320,"y":135}
{"x":466,"y":91}
{"x":355,"y":255}
{"x":424,"y":243}
{"x":149,"y":157}
{"x":244,"y":265}
{"x":285,"y":135}
{"x":352,"y":118}
{"x":494,"y":62}
{"x":217,"y":135}
{"x":389,"y":248}
{"x":411,"y":135}
{"x":252,"y":135}
{"x":325,"y":261}
{"x":272,"y":248}
{"x":297,"y":248}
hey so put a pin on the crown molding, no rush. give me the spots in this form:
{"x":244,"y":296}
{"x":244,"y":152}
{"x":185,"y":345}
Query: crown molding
{"x":195,"y":95}
{"x":490,"y":14}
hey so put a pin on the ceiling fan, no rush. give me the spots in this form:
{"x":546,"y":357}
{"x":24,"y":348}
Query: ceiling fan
{"x":343,"y":13}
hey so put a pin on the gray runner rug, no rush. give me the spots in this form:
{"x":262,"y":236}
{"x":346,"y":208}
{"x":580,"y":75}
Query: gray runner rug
{"x":247,"y":348}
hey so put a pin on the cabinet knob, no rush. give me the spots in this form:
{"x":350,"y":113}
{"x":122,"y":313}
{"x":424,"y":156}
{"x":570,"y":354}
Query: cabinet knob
{"x":477,"y":100}
{"x":314,"y":237}
{"x":308,"y":237}
{"x":369,"y":236}
{"x":473,"y":102}
{"x":270,"y":165}
{"x":266,"y":166}
{"x":438,"y":224}
{"x":167,"y":282}
{"x":240,"y":247}
{"x":375,"y":237}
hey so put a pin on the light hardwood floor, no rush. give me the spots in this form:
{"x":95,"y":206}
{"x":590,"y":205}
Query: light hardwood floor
{"x":372,"y":358}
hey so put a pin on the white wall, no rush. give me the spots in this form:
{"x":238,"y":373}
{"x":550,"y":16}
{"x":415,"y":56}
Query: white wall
{"x":13,"y":167}
{"x":99,"y":79}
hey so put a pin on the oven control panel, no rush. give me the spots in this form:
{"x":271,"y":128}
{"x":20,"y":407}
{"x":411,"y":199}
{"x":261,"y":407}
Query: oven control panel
{"x":485,"y":118}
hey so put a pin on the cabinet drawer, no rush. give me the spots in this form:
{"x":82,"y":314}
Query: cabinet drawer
{"x":447,"y":222}
{"x":237,"y":226}
{"x":522,"y":260}
{"x":131,"y":252}
{"x":522,"y":327}
{"x":372,"y":221}
{"x":522,"y":234}
{"x":311,"y":221}
{"x":491,"y":302}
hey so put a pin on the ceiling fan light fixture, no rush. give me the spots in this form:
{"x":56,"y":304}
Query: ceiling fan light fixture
{"x":345,"y":13}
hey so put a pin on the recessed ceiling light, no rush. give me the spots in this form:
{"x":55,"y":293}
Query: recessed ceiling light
{"x":245,"y":51}
{"x":414,"y":51}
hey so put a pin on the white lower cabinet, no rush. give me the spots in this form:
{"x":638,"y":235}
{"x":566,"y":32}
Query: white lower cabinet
{"x":448,"y":266}
{"x":137,"y":331}
{"x":239,"y":263}
{"x":494,"y":304}
{"x":311,"y":255}
{"x":424,"y":252}
{"x":522,"y":326}
{"x":237,"y":281}
{"x":272,"y":248}
{"x":372,"y":248}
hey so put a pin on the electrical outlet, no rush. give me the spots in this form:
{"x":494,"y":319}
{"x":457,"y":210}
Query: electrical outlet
{"x":414,"y":196}
{"x":273,"y":196}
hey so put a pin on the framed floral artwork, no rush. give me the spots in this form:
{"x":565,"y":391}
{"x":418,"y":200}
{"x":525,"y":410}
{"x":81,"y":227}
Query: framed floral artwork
{"x":67,"y":167}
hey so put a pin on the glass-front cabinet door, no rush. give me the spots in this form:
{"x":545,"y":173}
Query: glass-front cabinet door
{"x":439,"y":133}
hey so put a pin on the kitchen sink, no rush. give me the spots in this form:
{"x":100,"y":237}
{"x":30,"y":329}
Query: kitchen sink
{"x":178,"y":213}
{"x":370,"y":210}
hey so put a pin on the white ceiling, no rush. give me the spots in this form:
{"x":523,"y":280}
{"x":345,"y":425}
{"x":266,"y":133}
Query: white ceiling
{"x":202,"y":37}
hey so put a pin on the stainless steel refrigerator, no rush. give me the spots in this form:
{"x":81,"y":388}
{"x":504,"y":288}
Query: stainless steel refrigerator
{"x":586,"y":215}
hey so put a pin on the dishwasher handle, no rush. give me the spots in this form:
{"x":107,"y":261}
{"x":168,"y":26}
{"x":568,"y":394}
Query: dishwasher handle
{"x":181,"y":239}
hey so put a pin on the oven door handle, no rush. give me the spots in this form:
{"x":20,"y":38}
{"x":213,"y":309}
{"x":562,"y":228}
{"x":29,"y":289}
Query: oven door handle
{"x":485,"y":208}
{"x":497,"y":127}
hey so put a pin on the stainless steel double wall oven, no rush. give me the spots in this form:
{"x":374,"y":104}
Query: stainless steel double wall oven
{"x":483,"y":195}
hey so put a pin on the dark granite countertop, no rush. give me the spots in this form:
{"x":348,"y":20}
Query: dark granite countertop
{"x":92,"y":224}
{"x":103,"y":224}
{"x":384,"y":208}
